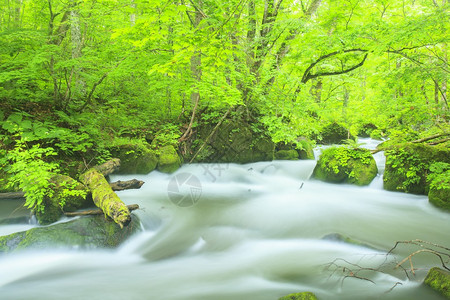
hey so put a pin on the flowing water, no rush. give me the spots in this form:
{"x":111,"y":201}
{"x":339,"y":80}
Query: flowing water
{"x":254,"y":231}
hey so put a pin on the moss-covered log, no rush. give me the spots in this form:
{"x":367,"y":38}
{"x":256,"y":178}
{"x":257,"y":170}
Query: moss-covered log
{"x":108,"y":167}
{"x":105,"y":198}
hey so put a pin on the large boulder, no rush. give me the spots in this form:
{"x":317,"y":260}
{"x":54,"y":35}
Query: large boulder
{"x":346,"y":165}
{"x":439,"y":280}
{"x":135,"y":158}
{"x":299,"y":296}
{"x":302,"y":149}
{"x":408,"y":165}
{"x":169,"y":161}
{"x":69,"y":195}
{"x":335,"y":133}
{"x":84,"y":233}
{"x":235,"y":141}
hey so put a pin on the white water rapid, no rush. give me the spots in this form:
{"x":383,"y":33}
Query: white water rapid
{"x":256,"y":231}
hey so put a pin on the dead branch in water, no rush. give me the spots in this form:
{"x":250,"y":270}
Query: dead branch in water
{"x":93,"y":212}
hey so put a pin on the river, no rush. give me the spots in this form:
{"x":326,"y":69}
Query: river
{"x":255,"y":231}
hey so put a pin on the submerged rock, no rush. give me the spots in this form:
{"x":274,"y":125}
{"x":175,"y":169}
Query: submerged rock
{"x":439,"y":280}
{"x":346,"y":165}
{"x":299,"y":296}
{"x":84,"y":233}
{"x":169,"y":161}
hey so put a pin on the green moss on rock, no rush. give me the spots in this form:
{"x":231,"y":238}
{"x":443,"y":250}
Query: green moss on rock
{"x":299,"y":296}
{"x":235,"y":141}
{"x":69,"y":195}
{"x":169,"y":161}
{"x":440,"y":196}
{"x":408,"y":165}
{"x":135,"y":158}
{"x":286,"y":155}
{"x":439,"y":280}
{"x":346,"y":165}
{"x":335,"y":133}
{"x":85,"y":233}
{"x":305,"y":151}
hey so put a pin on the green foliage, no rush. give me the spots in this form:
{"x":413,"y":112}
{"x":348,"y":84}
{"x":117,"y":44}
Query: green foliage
{"x":439,"y":178}
{"x":408,"y":165}
{"x":31,"y":173}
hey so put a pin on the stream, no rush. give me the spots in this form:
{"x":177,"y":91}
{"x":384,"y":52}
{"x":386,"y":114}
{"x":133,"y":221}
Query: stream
{"x":255,"y":231}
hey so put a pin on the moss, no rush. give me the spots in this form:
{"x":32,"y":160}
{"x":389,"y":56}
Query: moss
{"x":440,"y":197}
{"x":299,"y":296}
{"x":407,"y":166}
{"x":235,"y":141}
{"x":85,"y":232}
{"x":346,"y":165}
{"x":439,"y":280}
{"x":135,"y":158}
{"x":104,"y":197}
{"x":286,"y":155}
{"x":69,"y":195}
{"x":335,"y":133}
{"x":169,"y":161}
{"x":306,"y":150}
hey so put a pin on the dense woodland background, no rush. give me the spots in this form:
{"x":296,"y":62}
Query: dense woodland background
{"x":79,"y":76}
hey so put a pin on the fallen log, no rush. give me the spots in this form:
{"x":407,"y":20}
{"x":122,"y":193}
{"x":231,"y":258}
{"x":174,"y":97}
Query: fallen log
{"x":105,"y":198}
{"x":108,"y":167}
{"x":92,"y":212}
{"x":12,"y":195}
{"x":126,"y":185}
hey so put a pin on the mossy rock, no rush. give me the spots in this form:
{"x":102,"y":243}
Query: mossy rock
{"x":367,"y":129}
{"x":134,"y":158}
{"x":85,"y":233}
{"x":169,"y":161}
{"x":440,"y":197}
{"x":346,"y":165}
{"x":407,"y":166}
{"x":235,"y":141}
{"x":335,"y":133}
{"x":439,"y":280}
{"x":286,"y":155}
{"x":306,"y":150}
{"x":69,"y":195}
{"x":299,"y":296}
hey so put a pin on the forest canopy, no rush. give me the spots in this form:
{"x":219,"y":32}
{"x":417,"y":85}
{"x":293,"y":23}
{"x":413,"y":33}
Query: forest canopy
{"x":75,"y":75}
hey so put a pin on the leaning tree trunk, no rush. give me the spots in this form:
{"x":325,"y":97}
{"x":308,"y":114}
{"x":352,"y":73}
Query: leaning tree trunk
{"x":105,"y":198}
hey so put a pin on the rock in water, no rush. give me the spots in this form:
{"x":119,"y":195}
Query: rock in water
{"x":439,"y":280}
{"x":84,"y":233}
{"x":346,"y":165}
{"x":299,"y":296}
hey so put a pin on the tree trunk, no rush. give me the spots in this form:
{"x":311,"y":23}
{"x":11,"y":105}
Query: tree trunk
{"x":105,"y":198}
{"x":126,"y":185}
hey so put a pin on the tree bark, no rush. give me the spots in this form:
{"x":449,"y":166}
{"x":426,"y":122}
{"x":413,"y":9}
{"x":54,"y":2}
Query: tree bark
{"x":126,"y":185}
{"x":92,"y":212}
{"x":105,"y":198}
{"x":108,"y":167}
